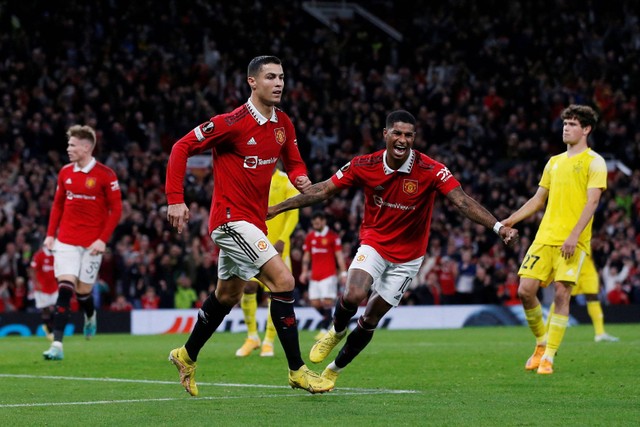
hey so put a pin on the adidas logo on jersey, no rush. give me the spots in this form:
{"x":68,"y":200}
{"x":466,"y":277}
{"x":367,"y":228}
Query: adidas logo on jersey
{"x":252,"y":142}
{"x":68,"y":181}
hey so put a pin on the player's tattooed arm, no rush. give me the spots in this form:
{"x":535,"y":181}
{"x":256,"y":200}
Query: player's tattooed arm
{"x":470,"y":208}
{"x":473,"y":210}
{"x":316,"y":193}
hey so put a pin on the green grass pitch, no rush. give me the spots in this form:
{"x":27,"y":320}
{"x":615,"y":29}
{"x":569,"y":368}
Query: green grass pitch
{"x":462,"y":377}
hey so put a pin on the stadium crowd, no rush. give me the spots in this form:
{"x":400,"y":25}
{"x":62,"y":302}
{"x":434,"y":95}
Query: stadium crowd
{"x":487,"y":89}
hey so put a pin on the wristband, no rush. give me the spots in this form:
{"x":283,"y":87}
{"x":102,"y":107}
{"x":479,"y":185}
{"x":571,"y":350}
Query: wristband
{"x":497,"y":226}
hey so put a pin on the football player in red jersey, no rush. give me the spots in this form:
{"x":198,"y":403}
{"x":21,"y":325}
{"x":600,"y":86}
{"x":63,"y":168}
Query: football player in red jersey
{"x":86,"y":209}
{"x":46,"y":288}
{"x":323,"y":267}
{"x":400,"y":185}
{"x":246,"y":145}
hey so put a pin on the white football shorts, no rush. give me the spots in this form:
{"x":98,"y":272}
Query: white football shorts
{"x":75,"y":261}
{"x":45,"y":300}
{"x":390,"y":280}
{"x":326,"y":288}
{"x":244,"y":249}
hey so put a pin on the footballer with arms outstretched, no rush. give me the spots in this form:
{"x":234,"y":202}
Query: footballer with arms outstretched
{"x":400,"y":185}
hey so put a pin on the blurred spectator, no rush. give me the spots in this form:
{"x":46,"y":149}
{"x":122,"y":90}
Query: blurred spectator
{"x":121,"y":304}
{"x":466,"y":275}
{"x":6,"y":301}
{"x":150,"y":300}
{"x":11,"y":263}
{"x":447,"y":275}
{"x":615,"y":273}
{"x":508,"y":292}
{"x":185,"y":296}
{"x":484,"y":288}
{"x":617,"y":295}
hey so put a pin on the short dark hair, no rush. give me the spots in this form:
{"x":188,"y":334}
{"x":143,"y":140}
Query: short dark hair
{"x":582,"y":113}
{"x":400,"y":116}
{"x":318,"y":214}
{"x":256,"y":64}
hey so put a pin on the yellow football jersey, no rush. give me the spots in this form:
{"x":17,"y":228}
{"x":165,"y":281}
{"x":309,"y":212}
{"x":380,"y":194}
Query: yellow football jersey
{"x":567,"y":179}
{"x":282,"y":226}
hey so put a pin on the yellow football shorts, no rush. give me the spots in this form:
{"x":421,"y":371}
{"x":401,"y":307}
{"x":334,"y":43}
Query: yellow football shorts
{"x":588,"y":282}
{"x":546,"y":263}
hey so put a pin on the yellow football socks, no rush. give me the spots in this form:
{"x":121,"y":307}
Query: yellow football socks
{"x":536,"y":323}
{"x":270,"y":332}
{"x":557,"y":327}
{"x":552,"y":308}
{"x":597,"y":318}
{"x":249,"y":304}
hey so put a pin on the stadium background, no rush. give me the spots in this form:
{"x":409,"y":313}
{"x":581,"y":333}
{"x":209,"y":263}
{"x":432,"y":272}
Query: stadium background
{"x":485,"y":80}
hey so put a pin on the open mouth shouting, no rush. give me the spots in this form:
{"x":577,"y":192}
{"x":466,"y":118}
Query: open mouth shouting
{"x":400,"y":150}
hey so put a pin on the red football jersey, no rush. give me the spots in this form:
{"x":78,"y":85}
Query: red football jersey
{"x":398,"y":204}
{"x":322,"y":246}
{"x":246,"y":147}
{"x":87,"y":204}
{"x":42,"y":265}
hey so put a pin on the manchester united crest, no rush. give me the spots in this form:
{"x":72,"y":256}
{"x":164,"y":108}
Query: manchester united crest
{"x":410,"y":186}
{"x":361,"y":258}
{"x":280,"y":135}
{"x":262,"y":245}
{"x":90,"y":182}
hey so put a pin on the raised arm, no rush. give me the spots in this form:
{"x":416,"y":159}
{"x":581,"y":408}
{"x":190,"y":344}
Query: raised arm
{"x":316,"y":193}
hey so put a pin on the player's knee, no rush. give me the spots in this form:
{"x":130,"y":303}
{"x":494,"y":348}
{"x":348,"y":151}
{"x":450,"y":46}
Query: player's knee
{"x":65,"y":293}
{"x":229,"y":298}
{"x":523,"y":294}
{"x":283,"y":283}
{"x":251,"y":287}
{"x":354,"y":296}
{"x":527,"y":292}
{"x":84,"y":288}
{"x":562,"y":296}
{"x":369,"y":321}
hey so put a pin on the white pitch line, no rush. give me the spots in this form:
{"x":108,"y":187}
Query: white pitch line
{"x":168,"y":399}
{"x":342,"y":391}
{"x":130,"y":380}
